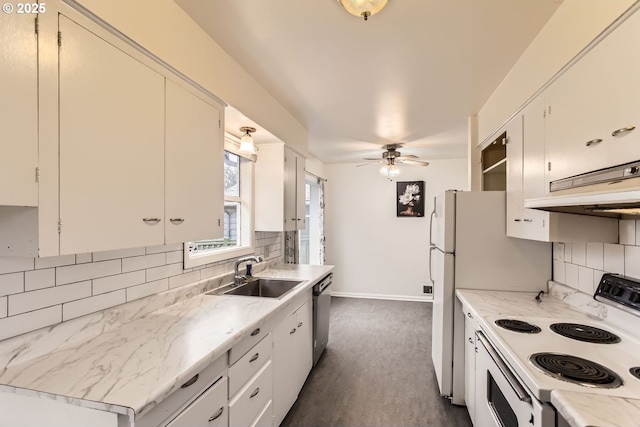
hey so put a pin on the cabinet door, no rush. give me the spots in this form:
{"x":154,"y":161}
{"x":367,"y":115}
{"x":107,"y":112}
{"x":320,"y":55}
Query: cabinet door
{"x":514,"y":177}
{"x":111,"y":146}
{"x":619,"y":51}
{"x":290,"y":190}
{"x":193,"y":168}
{"x":575,"y":120}
{"x":304,"y":342}
{"x":285,"y":378}
{"x":18,"y":110}
{"x":208,"y":410}
{"x":470,"y":365}
{"x":301,"y":202}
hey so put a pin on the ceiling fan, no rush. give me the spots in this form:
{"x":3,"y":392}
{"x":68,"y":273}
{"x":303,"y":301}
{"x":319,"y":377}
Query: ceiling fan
{"x":390,"y":159}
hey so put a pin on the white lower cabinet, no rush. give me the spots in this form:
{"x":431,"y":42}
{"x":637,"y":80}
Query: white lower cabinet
{"x":208,"y":410}
{"x":249,"y":402}
{"x":292,"y":357}
{"x":470,"y":363}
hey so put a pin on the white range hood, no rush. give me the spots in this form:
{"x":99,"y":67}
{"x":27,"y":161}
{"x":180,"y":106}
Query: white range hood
{"x":612,"y":192}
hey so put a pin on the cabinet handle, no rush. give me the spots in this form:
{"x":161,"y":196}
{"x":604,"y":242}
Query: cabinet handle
{"x":190,"y":382}
{"x":299,"y":219}
{"x":470,"y":340}
{"x":255,"y":332}
{"x":293,"y":331}
{"x":517,"y":220}
{"x":469,"y":316}
{"x":622,"y":131}
{"x":528,"y":220}
{"x":151,"y":221}
{"x":293,"y":219}
{"x":299,"y":324}
{"x":593,"y":142}
{"x":217,"y":414}
{"x":176,"y":220}
{"x":255,"y":393}
{"x":254,"y":358}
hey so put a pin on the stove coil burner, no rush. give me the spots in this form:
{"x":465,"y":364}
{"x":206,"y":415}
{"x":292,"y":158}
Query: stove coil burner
{"x":576,"y":370}
{"x":585,"y":333}
{"x":518,"y":326}
{"x":635,"y":372}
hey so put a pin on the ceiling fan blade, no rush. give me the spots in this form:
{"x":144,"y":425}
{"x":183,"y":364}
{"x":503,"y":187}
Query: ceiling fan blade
{"x":365,"y":164}
{"x":414,"y":162}
{"x":371,"y":158}
{"x":407,"y":156}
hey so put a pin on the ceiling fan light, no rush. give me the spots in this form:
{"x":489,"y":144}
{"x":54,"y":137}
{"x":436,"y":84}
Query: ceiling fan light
{"x":384,"y":170}
{"x":393,"y":171}
{"x":363,"y":8}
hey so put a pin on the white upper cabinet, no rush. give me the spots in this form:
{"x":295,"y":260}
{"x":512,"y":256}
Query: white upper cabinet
{"x":111,"y":146}
{"x":194,"y":197}
{"x":280,"y":189}
{"x":526,"y":179}
{"x":594,"y":107}
{"x":18,"y":110}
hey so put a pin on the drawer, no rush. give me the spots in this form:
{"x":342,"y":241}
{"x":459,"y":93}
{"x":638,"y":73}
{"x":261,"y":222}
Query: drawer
{"x":184,"y":394}
{"x":265,"y":419}
{"x":248,"y":402}
{"x":257,"y":334}
{"x":208,"y":410}
{"x":249,"y":364}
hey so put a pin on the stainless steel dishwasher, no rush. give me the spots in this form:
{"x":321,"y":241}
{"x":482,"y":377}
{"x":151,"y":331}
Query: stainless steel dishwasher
{"x":321,"y":308}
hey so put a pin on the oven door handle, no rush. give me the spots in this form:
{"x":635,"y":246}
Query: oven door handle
{"x":511,"y":379}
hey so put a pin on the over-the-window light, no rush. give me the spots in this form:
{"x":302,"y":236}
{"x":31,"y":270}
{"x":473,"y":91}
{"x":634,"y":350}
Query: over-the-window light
{"x":246,"y":142}
{"x":363,"y":8}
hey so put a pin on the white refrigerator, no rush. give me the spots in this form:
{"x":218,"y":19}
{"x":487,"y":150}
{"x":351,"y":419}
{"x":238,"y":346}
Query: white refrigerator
{"x":469,"y":249}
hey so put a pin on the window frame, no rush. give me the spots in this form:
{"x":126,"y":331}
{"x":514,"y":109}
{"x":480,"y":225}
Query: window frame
{"x":247,"y":227}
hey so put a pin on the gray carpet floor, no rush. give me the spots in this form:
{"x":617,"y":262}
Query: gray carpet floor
{"x":376,"y":371}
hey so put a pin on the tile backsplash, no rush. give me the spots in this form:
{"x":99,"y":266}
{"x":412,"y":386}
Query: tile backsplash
{"x":40,"y":292}
{"x":581,"y":265}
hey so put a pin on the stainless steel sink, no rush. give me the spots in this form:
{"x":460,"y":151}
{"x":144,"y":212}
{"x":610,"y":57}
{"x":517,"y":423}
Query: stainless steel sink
{"x":265,"y":288}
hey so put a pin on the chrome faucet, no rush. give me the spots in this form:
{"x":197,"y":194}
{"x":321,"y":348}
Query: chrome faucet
{"x":239,"y":279}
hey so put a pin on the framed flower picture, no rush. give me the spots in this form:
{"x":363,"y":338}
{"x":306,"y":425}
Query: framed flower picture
{"x":410,"y":199}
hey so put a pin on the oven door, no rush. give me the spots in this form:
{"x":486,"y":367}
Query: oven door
{"x":501,"y":400}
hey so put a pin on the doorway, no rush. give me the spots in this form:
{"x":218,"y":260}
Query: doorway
{"x":311,"y":241}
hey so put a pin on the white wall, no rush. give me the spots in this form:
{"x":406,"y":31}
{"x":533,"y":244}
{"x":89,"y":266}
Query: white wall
{"x":164,"y":29}
{"x":375,"y":253}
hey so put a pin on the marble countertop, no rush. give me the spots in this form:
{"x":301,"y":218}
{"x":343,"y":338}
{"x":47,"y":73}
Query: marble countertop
{"x":138,"y":364}
{"x":587,"y":410}
{"x":579,"y":409}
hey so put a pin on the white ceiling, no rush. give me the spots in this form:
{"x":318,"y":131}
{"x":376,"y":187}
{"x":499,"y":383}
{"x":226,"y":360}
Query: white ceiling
{"x":411,"y":74}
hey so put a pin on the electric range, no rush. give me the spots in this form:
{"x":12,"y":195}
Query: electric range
{"x":528,"y":357}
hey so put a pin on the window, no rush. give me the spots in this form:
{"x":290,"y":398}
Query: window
{"x":237,"y":238}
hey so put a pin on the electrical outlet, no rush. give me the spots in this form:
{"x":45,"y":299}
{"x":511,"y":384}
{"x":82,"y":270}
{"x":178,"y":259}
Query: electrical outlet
{"x":427,"y":289}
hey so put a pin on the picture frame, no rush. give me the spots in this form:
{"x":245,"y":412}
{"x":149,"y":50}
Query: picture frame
{"x":410,"y":199}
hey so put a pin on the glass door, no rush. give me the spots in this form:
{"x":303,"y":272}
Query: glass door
{"x":312,"y":237}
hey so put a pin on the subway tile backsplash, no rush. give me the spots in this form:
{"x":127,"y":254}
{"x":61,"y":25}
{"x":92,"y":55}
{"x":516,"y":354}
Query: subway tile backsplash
{"x":581,"y":265}
{"x":40,"y":292}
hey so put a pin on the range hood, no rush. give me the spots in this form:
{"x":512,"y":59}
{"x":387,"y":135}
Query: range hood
{"x":612,"y":192}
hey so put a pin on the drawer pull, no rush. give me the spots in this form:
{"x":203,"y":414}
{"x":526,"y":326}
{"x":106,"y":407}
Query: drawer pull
{"x":151,"y":221}
{"x":293,"y":331}
{"x":255,"y":393}
{"x":528,"y":220}
{"x":254,"y":358}
{"x":190,"y":382}
{"x":217,"y":414}
{"x":622,"y":131}
{"x":299,"y":324}
{"x":255,"y":332}
{"x":517,"y":220}
{"x":176,"y":221}
{"x":593,"y":142}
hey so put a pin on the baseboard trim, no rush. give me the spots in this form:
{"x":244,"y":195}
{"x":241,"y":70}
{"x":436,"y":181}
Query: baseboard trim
{"x":382,"y":296}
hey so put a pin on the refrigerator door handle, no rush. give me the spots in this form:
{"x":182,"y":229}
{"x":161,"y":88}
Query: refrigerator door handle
{"x":431,"y":249}
{"x":431,"y":223}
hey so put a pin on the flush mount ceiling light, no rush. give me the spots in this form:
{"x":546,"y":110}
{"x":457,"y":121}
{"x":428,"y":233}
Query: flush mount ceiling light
{"x":246,"y":142}
{"x":363,"y":8}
